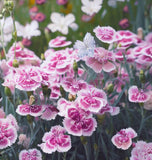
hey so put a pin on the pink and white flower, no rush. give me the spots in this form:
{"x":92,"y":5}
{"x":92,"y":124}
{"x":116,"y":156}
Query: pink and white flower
{"x":49,"y":113}
{"x":28,"y":78}
{"x":137,"y":96}
{"x":79,"y":122}
{"x":73,"y":86}
{"x":59,"y":41}
{"x":8,"y":133}
{"x":92,"y":99}
{"x":33,"y":110}
{"x":102,"y":60}
{"x":55,"y":140}
{"x":123,"y":139}
{"x":141,"y":151}
{"x":105,"y":34}
{"x":2,"y":113}
{"x":31,"y":154}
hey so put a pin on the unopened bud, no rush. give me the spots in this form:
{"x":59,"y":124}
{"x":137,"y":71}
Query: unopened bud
{"x":83,"y":140}
{"x":31,"y":100}
{"x":46,"y":91}
{"x":42,"y":56}
{"x":100,"y":118}
{"x":14,"y":35}
{"x":142,"y":76}
{"x":140,"y":33}
{"x":62,"y":91}
{"x":30,"y":119}
{"x":7,"y":91}
{"x":1,"y":16}
{"x":15,"y":63}
{"x":71,"y":97}
{"x":75,"y":66}
{"x":110,"y":88}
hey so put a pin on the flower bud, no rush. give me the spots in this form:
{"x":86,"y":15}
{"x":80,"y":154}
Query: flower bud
{"x":62,"y":91}
{"x":46,"y":91}
{"x":15,"y":63}
{"x":83,"y":140}
{"x":110,"y":88}
{"x":31,"y":100}
{"x":30,"y":119}
{"x":71,"y":97}
{"x":75,"y":66}
{"x":100,"y":118}
{"x":42,"y":56}
{"x":7,"y":91}
{"x":14,"y":35}
{"x":1,"y":16}
{"x":142,"y":76}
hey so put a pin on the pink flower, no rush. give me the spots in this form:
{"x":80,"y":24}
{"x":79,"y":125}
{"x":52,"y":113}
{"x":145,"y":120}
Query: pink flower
{"x":28,"y":78}
{"x":23,"y":140}
{"x":112,"y":110}
{"x":148,"y":38}
{"x":92,"y":99}
{"x":31,"y":154}
{"x":73,"y":86}
{"x":26,"y":42}
{"x":87,"y":18}
{"x":26,"y":109}
{"x":49,"y":113}
{"x":10,"y":118}
{"x":59,"y":42}
{"x":55,"y":140}
{"x":148,"y":104}
{"x":40,"y":1}
{"x":2,"y":113}
{"x":137,"y":96}
{"x":8,"y":133}
{"x":79,"y":122}
{"x":40,"y":17}
{"x":61,"y":2}
{"x":102,"y":60}
{"x":124,"y":23}
{"x":123,"y":139}
{"x":33,"y":9}
{"x":142,"y":151}
{"x":105,"y":34}
{"x":57,"y":63}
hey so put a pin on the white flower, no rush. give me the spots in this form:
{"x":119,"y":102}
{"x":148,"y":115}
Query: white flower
{"x":85,"y":48}
{"x":91,"y":7}
{"x":7,"y":25}
{"x":29,"y":30}
{"x":61,"y":23}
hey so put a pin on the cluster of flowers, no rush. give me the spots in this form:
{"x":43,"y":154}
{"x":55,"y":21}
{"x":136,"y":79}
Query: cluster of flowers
{"x":59,"y":71}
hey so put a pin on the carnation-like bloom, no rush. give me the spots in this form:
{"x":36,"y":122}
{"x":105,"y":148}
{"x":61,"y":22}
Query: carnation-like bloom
{"x":141,"y":151}
{"x":91,"y":6}
{"x":137,"y":96}
{"x":28,"y":78}
{"x":26,"y":109}
{"x":73,"y":86}
{"x":92,"y":99}
{"x":59,"y":41}
{"x":102,"y":60}
{"x":55,"y":140}
{"x":105,"y":34}
{"x":40,"y":17}
{"x":31,"y":154}
{"x":29,"y":30}
{"x":8,"y":133}
{"x":79,"y":122}
{"x":85,"y":48}
{"x":62,"y":23}
{"x":123,"y":139}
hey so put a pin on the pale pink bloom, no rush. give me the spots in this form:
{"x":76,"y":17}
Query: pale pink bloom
{"x":50,"y":112}
{"x":31,"y":154}
{"x":28,"y":78}
{"x":58,"y":63}
{"x":56,"y":140}
{"x":40,"y":17}
{"x":48,"y":52}
{"x":141,"y":151}
{"x":10,"y":118}
{"x":34,"y":9}
{"x":102,"y":60}
{"x":148,"y":38}
{"x":110,"y":109}
{"x":92,"y":99}
{"x":79,"y":122}
{"x":26,"y":42}
{"x":8,"y":134}
{"x":105,"y":34}
{"x":124,"y":23}
{"x":63,"y":106}
{"x":148,"y":104}
{"x":26,"y":109}
{"x":72,"y":85}
{"x":59,"y":41}
{"x":137,"y":96}
{"x":40,"y":2}
{"x":123,"y":139}
{"x":9,"y":81}
{"x":23,"y":140}
{"x":2,"y":113}
{"x":61,"y":2}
